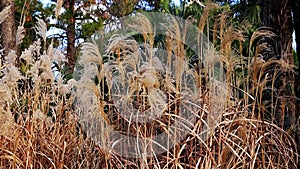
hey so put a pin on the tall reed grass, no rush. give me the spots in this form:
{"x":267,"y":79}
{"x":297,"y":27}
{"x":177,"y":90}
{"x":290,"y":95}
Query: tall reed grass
{"x":46,"y":122}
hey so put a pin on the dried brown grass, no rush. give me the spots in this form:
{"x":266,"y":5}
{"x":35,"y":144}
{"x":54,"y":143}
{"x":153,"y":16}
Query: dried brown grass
{"x":41,"y":128}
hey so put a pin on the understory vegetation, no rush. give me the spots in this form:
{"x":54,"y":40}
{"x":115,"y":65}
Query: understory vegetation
{"x":216,"y":106}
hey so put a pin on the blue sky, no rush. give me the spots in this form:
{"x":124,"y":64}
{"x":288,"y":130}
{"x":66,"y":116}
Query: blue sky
{"x":45,"y":1}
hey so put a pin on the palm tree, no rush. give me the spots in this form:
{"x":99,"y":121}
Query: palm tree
{"x":276,"y":15}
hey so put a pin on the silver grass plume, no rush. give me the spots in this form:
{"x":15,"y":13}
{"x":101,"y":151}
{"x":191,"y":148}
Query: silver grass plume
{"x":59,"y":5}
{"x":41,"y":29}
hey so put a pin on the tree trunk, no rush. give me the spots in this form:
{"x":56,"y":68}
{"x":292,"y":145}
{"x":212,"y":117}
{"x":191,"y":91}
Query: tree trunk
{"x":8,"y":28}
{"x":276,"y":15}
{"x":296,"y":18}
{"x":69,"y":5}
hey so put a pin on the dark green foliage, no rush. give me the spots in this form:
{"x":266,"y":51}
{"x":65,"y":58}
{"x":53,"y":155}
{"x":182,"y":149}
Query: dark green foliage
{"x":31,"y":11}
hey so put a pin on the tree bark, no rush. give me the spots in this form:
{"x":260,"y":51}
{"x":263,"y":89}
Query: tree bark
{"x":71,"y":36}
{"x":8,"y":28}
{"x":296,"y":19}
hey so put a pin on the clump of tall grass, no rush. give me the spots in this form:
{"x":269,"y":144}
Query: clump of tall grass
{"x":46,"y":122}
{"x":242,"y":137}
{"x":38,"y":126}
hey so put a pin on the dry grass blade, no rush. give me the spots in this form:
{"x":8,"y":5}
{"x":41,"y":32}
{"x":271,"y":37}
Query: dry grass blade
{"x":204,"y":18}
{"x":59,"y":5}
{"x":260,"y":33}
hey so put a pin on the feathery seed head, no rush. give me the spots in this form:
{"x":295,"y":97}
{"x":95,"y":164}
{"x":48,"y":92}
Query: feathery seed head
{"x":41,"y":29}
